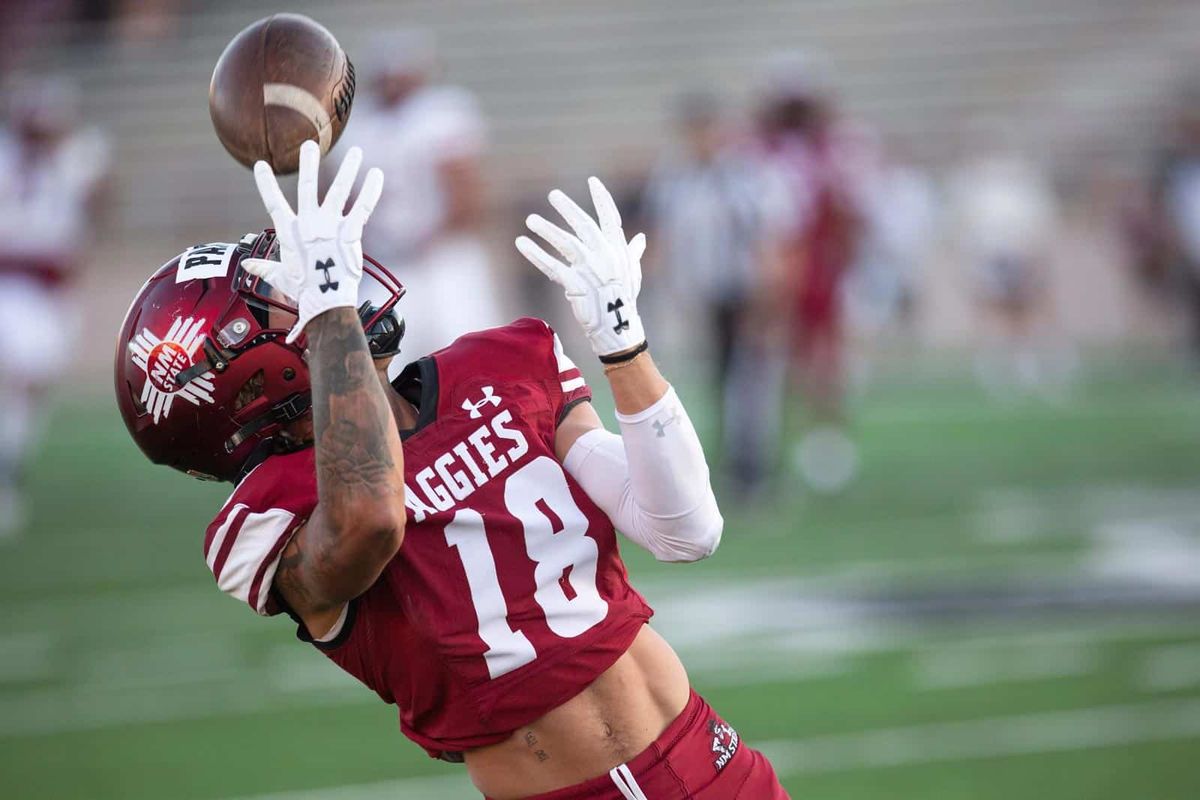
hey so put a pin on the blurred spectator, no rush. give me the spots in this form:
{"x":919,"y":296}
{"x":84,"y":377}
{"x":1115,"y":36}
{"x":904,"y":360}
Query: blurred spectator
{"x":899,"y":210}
{"x":1003,"y":213}
{"x":429,"y":140}
{"x":711,"y":211}
{"x":30,"y":27}
{"x":25,"y":26}
{"x":1175,"y":207}
{"x":51,"y":175}
{"x":140,"y":21}
{"x":805,"y":141}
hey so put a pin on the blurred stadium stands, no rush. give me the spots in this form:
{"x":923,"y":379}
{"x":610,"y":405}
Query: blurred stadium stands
{"x":570,"y":86}
{"x":574,"y":88}
{"x":556,"y":78}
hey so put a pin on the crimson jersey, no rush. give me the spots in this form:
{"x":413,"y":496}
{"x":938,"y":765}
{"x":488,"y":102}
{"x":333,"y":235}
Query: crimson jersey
{"x":508,"y":596}
{"x":823,"y":176}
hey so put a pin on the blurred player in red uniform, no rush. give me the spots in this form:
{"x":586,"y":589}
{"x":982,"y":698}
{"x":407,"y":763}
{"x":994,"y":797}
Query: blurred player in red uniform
{"x":447,"y":537}
{"x":51,"y":175}
{"x":802,"y":142}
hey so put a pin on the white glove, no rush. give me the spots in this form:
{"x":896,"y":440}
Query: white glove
{"x":605,"y":272}
{"x":320,"y":249}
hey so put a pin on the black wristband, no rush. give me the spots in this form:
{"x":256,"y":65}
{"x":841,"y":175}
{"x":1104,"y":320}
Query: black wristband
{"x":629,"y":356}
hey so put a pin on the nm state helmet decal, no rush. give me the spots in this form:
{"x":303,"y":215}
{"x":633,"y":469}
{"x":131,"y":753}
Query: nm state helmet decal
{"x":163,"y":359}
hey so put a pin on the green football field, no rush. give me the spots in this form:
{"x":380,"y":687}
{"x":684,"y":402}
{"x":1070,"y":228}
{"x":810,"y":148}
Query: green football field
{"x":1004,"y":605}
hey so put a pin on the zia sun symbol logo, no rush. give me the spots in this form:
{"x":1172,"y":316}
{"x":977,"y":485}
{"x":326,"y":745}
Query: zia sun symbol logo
{"x":163,"y":359}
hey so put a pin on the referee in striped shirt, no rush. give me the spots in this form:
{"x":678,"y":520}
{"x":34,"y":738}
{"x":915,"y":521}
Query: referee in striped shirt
{"x":711,"y":207}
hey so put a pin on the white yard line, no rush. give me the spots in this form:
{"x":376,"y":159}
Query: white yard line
{"x":719,"y":629}
{"x":136,"y":614}
{"x":1146,"y":551}
{"x":1052,"y":732}
{"x":956,"y":667}
{"x":997,"y":737}
{"x":443,"y":787}
{"x":51,"y":710}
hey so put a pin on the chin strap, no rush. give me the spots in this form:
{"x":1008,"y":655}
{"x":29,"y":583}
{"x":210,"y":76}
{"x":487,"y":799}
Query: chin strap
{"x":260,"y":454}
{"x":282,"y":413}
{"x":215,"y":359}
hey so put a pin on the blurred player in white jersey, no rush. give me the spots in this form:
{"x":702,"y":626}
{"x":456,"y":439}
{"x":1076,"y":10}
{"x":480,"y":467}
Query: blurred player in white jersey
{"x":429,"y":140}
{"x":717,"y":213}
{"x":51,"y":173}
{"x":1004,"y":215}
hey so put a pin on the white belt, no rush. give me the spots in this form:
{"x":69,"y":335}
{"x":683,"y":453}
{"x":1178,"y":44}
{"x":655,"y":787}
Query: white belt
{"x":626,"y":783}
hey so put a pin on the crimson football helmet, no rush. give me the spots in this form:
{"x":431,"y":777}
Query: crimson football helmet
{"x":204,"y":377}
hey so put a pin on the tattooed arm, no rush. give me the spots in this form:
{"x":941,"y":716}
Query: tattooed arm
{"x":358,"y":524}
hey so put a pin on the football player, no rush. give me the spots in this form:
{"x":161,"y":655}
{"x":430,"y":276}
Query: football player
{"x":806,"y":141}
{"x":53,"y":178}
{"x":448,"y":537}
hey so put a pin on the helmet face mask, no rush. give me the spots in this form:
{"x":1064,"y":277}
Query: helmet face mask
{"x":204,"y":378}
{"x":261,"y":292}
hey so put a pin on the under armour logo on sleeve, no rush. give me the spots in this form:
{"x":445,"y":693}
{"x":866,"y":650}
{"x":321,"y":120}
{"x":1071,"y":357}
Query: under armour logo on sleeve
{"x":325,"y":266}
{"x":660,"y":425}
{"x":615,"y":308}
{"x":489,"y":398}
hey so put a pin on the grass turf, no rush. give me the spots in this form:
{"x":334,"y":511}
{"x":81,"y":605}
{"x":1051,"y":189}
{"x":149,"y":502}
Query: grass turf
{"x":125,"y":674}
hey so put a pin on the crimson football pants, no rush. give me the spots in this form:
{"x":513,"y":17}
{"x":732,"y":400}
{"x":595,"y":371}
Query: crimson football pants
{"x":698,"y":757}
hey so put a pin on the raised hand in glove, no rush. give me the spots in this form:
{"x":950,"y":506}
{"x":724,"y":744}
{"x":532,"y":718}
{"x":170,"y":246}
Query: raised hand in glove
{"x":600,"y":271}
{"x":320,"y":248}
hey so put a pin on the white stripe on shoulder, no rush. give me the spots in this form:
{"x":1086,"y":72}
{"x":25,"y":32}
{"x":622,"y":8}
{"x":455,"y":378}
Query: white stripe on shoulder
{"x":564,"y":361}
{"x":268,"y":580}
{"x":255,"y":540}
{"x":218,"y":539}
{"x":573,"y":384}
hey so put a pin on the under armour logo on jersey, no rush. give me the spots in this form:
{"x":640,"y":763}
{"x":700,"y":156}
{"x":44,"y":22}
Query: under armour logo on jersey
{"x":615,"y":308}
{"x":489,"y":397}
{"x":660,"y":425}
{"x":325,"y":266}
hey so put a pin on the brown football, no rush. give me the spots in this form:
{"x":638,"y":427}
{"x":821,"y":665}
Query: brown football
{"x":281,"y":81}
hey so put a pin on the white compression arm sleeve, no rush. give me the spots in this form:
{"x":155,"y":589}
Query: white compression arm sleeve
{"x":652,"y":481}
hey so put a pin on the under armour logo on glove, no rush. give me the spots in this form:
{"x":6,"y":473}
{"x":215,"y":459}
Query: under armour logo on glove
{"x":600,"y":272}
{"x":322,"y":238}
{"x":615,"y":308}
{"x":489,"y":398}
{"x":327,"y":265}
{"x":661,"y":425}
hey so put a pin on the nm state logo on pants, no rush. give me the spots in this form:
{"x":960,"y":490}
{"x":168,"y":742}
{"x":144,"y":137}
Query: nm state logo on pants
{"x":724,"y":744}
